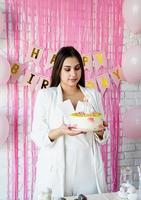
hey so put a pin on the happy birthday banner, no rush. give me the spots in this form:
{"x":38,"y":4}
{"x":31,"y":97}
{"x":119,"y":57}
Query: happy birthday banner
{"x":36,"y":81}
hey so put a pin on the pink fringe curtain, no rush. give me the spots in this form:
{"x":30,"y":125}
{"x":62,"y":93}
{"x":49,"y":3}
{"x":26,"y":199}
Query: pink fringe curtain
{"x":88,"y":25}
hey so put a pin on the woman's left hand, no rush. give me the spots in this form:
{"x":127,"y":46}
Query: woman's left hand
{"x":101,"y":130}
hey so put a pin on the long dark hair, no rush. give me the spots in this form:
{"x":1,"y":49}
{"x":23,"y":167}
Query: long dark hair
{"x":62,"y":54}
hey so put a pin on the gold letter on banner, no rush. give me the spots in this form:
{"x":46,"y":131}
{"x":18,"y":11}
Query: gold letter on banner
{"x":100,"y":59}
{"x":31,"y":77}
{"x":53,"y":59}
{"x":30,"y":80}
{"x":87,"y":61}
{"x":15,"y":68}
{"x":43,"y":83}
{"x":91,"y":84}
{"x":34,"y":54}
{"x":103,"y":82}
{"x":50,"y":59}
{"x":16,"y":71}
{"x":116,"y":75}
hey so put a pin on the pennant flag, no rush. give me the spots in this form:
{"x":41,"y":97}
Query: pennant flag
{"x":43,"y":83}
{"x":91,"y":84}
{"x":100,"y":59}
{"x":103,"y":82}
{"x":34,"y":54}
{"x":87,"y":61}
{"x":50,"y":59}
{"x":116,"y":75}
{"x":16,"y":71}
{"x":30,"y":80}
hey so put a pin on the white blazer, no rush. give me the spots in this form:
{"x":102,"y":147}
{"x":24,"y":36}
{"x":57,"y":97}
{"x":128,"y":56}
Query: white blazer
{"x":51,"y":161}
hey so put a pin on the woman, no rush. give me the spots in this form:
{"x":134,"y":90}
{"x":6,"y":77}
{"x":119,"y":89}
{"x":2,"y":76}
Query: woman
{"x":69,"y":160}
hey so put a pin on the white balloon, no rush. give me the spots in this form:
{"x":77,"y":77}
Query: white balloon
{"x":131,"y":64}
{"x":132,"y":15}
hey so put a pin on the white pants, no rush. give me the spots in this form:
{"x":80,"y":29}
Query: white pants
{"x":80,"y":177}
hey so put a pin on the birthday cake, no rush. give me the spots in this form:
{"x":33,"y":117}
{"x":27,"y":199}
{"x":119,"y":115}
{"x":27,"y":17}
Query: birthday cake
{"x":87,"y":121}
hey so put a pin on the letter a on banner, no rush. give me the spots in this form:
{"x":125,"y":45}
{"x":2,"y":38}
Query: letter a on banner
{"x":34,"y":54}
{"x":50,"y":59}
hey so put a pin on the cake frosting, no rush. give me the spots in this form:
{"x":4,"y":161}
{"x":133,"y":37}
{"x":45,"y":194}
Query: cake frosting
{"x":87,"y":121}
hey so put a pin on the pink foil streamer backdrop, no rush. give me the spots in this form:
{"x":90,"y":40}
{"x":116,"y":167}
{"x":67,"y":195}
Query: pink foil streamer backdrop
{"x":88,"y":25}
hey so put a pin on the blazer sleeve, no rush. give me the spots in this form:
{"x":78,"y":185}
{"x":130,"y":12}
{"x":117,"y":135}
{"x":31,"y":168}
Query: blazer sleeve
{"x":40,"y":128}
{"x":101,"y":110}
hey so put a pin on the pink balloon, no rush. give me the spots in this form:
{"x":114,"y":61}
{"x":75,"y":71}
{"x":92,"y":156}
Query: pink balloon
{"x":4,"y":128}
{"x":131,"y":64}
{"x":4,"y":70}
{"x":132,"y":123}
{"x":132,"y":15}
{"x":1,"y":22}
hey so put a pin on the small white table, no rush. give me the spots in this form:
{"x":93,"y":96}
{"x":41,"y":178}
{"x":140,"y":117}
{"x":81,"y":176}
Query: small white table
{"x":104,"y":196}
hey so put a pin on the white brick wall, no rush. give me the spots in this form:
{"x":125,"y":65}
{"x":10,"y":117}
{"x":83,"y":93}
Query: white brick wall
{"x":130,"y":96}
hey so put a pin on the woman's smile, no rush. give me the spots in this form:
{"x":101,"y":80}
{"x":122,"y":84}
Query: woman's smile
{"x":73,"y":79}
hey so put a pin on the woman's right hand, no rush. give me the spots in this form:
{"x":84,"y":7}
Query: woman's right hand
{"x":70,"y":130}
{"x":64,"y":130}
